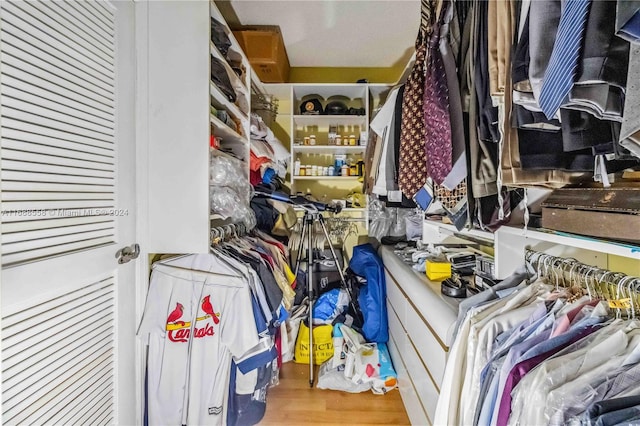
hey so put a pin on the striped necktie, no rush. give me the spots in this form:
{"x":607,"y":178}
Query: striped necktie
{"x":561,"y":71}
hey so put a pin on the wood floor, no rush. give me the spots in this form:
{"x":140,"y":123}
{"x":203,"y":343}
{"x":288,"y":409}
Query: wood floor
{"x":293,"y":402}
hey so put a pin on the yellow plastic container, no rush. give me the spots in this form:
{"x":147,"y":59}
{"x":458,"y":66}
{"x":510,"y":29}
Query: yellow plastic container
{"x":438,"y":270}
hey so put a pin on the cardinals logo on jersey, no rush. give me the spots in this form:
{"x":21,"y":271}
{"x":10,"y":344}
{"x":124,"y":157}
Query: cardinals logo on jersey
{"x":180,"y":331}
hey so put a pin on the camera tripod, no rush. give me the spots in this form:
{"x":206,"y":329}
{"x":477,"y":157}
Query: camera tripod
{"x":312,"y":215}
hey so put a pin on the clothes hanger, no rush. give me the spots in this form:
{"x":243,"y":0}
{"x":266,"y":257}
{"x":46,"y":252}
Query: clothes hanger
{"x":165,"y":263}
{"x":588,"y":281}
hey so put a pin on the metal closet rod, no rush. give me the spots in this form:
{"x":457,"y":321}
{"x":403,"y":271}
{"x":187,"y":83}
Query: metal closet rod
{"x":226,"y":232}
{"x":566,"y":272}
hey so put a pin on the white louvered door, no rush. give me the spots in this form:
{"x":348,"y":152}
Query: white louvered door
{"x":67,"y":72}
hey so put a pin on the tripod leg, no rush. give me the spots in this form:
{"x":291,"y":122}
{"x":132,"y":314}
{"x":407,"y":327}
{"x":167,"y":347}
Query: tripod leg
{"x":310,"y":292}
{"x":333,"y":253}
{"x":335,"y":259}
{"x":300,"y":247}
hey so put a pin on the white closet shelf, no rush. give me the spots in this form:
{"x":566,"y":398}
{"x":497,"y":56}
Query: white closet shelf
{"x":330,"y":149}
{"x":225,"y":132}
{"x":221,"y":101}
{"x":327,"y":120}
{"x":236,"y":82}
{"x":326,"y":90}
{"x":573,"y":240}
{"x":448,"y":229}
{"x":345,"y":178}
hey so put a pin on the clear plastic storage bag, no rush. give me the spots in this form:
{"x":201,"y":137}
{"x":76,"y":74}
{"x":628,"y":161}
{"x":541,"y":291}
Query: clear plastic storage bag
{"x":379,"y":220}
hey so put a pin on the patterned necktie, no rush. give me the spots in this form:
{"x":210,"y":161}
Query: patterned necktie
{"x":561,"y":70}
{"x":437,"y":122}
{"x":412,"y":163}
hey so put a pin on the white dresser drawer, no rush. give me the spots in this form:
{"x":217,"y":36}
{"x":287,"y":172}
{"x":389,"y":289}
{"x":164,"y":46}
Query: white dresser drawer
{"x":396,"y":328}
{"x":415,"y":410}
{"x":439,"y":311}
{"x":395,"y":297}
{"x":425,"y":388}
{"x":430,"y":349}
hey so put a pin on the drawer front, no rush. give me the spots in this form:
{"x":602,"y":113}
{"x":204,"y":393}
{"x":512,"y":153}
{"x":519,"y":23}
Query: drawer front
{"x":425,"y":388}
{"x":395,"y":296}
{"x":395,"y":327}
{"x":430,"y":349}
{"x":412,"y":404}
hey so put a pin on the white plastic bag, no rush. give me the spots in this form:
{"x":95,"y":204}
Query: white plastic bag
{"x":334,"y":378}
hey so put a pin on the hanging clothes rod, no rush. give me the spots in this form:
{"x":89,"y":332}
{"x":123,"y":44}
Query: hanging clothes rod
{"x":222,"y":233}
{"x":623,"y":291}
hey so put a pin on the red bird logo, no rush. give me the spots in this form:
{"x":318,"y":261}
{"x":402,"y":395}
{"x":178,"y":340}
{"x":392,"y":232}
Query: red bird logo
{"x":208,"y":309}
{"x":175,"y":314}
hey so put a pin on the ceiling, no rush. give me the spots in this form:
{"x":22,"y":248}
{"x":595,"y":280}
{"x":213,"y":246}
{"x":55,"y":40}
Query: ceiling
{"x":335,"y":33}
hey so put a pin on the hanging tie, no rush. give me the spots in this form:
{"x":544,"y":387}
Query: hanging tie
{"x":413,"y":168}
{"x":561,"y":71}
{"x":437,"y":121}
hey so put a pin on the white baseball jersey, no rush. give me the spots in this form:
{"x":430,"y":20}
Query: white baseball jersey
{"x":193,"y":323}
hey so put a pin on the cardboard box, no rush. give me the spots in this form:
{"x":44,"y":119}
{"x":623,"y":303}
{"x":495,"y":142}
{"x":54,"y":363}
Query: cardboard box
{"x":265,"y":50}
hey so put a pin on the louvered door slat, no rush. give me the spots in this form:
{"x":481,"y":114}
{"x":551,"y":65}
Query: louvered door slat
{"x":83,"y":418}
{"x":55,"y":169}
{"x":104,"y":417}
{"x":83,"y":396}
{"x":54,"y":134}
{"x":102,"y":8}
{"x":39,"y":82}
{"x":33,"y":116}
{"x":59,"y":350}
{"x":74,"y":112}
{"x":34,"y":323}
{"x":23,"y":138}
{"x":87,"y":15}
{"x":53,"y":223}
{"x":59,"y":21}
{"x":50,"y":364}
{"x":43,"y":252}
{"x":93,"y":360}
{"x":39,"y":191}
{"x":83,"y":182}
{"x":63,"y":209}
{"x":65,"y":81}
{"x":72,"y":15}
{"x":59,"y":41}
{"x":89,"y":322}
{"x":53,"y":196}
{"x":54,"y":242}
{"x":66,"y":208}
{"x":61,"y":65}
{"x":15,"y":86}
{"x":67,"y":231}
{"x":31,"y":153}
